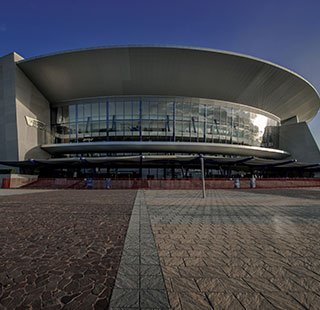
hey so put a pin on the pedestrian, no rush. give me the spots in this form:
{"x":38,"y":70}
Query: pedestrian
{"x":252,"y":181}
{"x":236,"y":182}
{"x":89,"y":183}
{"x":108,"y":183}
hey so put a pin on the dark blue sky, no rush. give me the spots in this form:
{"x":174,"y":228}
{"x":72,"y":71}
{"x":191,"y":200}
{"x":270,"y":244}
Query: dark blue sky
{"x":286,"y":32}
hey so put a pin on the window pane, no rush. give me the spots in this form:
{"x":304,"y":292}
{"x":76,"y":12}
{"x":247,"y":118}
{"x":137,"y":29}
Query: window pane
{"x":103,"y":110}
{"x":95,"y":111}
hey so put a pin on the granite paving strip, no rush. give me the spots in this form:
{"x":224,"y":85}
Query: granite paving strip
{"x":238,"y":249}
{"x":61,"y":249}
{"x":139,"y":283}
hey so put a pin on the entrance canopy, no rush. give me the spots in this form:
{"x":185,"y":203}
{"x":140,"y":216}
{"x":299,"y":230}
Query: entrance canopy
{"x":161,"y":161}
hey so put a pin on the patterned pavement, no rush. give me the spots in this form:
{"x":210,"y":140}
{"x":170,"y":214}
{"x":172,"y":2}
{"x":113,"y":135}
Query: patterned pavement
{"x":236,"y":249}
{"x":61,"y":249}
{"x":239,"y":249}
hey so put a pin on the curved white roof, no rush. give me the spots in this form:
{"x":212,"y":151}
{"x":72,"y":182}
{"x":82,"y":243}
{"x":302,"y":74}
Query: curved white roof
{"x":173,"y":71}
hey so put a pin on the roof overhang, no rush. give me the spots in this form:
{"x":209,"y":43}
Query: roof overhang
{"x":173,"y":71}
{"x":192,"y":161}
{"x":163,"y":147}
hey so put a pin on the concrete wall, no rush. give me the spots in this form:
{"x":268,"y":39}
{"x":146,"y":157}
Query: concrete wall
{"x":298,"y":140}
{"x":17,"y":180}
{"x":8,"y":128}
{"x":20,"y":98}
{"x":30,"y":102}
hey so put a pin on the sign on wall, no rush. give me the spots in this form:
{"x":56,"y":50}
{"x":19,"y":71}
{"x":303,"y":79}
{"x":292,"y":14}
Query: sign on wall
{"x":32,"y":122}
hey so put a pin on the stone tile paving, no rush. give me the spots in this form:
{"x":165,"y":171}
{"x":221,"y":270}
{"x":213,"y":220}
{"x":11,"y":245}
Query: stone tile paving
{"x":61,"y":249}
{"x":239,"y":249}
{"x":139,"y":283}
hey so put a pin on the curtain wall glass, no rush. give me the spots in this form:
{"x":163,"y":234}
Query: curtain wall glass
{"x":163,"y":119}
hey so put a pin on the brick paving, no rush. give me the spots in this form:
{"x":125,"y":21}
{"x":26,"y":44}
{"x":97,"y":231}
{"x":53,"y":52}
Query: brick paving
{"x":236,"y":249}
{"x":61,"y":249}
{"x":255,"y":249}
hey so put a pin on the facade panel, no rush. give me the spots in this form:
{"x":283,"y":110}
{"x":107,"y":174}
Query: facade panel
{"x":8,"y":120}
{"x":30,"y":103}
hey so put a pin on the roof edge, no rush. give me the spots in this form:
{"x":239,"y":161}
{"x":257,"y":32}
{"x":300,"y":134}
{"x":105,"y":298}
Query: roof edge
{"x":182,"y":47}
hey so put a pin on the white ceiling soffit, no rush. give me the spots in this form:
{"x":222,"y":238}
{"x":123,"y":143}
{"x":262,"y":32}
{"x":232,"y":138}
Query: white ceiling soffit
{"x":173,"y":71}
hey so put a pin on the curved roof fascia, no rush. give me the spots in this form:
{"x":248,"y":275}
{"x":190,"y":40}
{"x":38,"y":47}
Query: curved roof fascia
{"x":282,"y":91}
{"x":169,"y":47}
{"x":165,"y":147}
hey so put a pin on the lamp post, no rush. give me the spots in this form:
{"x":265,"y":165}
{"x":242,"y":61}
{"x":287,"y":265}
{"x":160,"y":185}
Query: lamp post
{"x":202,"y":177}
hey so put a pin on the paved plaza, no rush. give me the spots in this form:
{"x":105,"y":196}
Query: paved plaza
{"x":239,"y":249}
{"x":61,"y":249}
{"x":236,"y":249}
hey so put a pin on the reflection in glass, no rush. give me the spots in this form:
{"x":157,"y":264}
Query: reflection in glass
{"x":163,"y":119}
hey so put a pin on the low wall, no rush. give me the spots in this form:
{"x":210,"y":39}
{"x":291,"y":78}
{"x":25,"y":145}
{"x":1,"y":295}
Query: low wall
{"x":54,"y":183}
{"x":210,"y":183}
{"x":16,"y":180}
{"x":285,"y":183}
{"x":169,"y":184}
{"x":197,"y":184}
{"x":174,"y":184}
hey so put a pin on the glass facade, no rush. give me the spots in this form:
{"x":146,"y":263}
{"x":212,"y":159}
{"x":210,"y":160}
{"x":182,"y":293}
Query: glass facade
{"x":163,"y":119}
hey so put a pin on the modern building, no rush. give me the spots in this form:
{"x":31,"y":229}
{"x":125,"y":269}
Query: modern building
{"x":143,"y":109}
